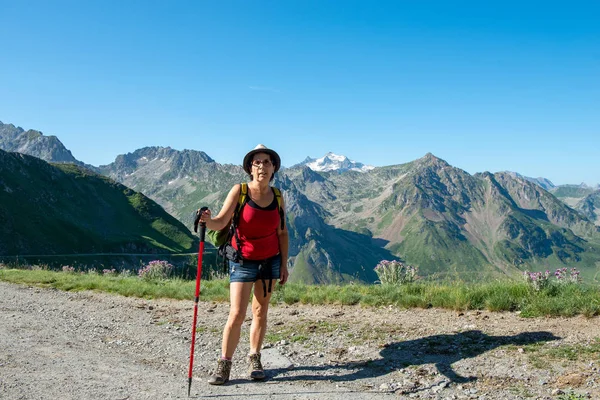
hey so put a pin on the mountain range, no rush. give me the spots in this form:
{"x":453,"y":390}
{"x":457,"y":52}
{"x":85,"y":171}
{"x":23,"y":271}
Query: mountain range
{"x":426,"y":212}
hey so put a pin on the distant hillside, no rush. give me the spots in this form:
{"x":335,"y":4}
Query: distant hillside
{"x":542,"y":182}
{"x":590,"y":206}
{"x":67,"y":209}
{"x":582,"y":197}
{"x":572,"y":194}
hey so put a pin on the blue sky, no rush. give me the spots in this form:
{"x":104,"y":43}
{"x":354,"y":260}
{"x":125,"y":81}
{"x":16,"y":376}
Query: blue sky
{"x":487,"y":86}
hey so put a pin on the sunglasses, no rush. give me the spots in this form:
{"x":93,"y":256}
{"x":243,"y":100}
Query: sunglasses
{"x":265,"y":163}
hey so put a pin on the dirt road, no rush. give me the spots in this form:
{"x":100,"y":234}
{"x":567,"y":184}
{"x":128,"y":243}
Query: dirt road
{"x":62,"y":345}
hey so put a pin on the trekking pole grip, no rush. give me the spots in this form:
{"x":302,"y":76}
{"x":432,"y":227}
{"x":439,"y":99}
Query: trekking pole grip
{"x":202,"y":224}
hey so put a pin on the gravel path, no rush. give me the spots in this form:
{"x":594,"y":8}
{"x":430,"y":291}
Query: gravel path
{"x":86,"y":345}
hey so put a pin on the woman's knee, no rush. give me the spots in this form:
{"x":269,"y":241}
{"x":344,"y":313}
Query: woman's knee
{"x":236,"y":317}
{"x":259,"y":310}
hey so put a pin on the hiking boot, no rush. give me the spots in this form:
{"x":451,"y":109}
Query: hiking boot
{"x":257,"y":372}
{"x":222,"y":375}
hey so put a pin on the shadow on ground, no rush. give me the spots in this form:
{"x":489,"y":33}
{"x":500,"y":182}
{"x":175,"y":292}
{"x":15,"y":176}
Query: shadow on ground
{"x":440,"y":350}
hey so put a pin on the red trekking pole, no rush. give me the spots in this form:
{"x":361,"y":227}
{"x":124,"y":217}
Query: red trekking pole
{"x":197,"y":298}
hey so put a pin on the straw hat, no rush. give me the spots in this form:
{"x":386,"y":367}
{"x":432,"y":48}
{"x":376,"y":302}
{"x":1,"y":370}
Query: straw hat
{"x":261,"y":148}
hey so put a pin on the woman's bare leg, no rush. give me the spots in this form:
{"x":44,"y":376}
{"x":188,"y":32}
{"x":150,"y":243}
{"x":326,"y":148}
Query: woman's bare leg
{"x":239,"y":295}
{"x":260,"y":306}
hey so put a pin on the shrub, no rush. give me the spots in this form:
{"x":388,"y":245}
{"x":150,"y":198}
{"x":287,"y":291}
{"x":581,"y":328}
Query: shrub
{"x":155,"y":270}
{"x":395,"y":273}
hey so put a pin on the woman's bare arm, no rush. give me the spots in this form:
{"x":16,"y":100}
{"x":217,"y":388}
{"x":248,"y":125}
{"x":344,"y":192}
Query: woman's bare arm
{"x":222,"y":219}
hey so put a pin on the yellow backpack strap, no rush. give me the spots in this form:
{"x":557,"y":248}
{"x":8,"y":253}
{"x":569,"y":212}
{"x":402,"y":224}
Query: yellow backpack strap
{"x":235,"y":219}
{"x":241,"y":201}
{"x":279,"y":207}
{"x":243,"y":193}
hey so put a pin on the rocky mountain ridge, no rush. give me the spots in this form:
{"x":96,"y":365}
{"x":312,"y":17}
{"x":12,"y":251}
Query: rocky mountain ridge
{"x":34,"y":143}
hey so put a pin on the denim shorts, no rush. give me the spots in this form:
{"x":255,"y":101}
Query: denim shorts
{"x":249,"y":270}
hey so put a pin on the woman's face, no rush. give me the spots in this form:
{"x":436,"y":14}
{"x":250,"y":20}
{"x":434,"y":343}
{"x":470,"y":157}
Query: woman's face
{"x":262,"y":167}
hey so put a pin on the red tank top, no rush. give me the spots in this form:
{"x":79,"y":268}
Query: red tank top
{"x":257,"y":230}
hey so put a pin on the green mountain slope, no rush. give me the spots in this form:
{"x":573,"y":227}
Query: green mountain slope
{"x":590,"y":206}
{"x":66,"y":209}
{"x":576,"y":191}
{"x":571,"y":194}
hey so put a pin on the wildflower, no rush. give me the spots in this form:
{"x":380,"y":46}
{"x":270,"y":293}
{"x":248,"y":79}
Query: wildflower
{"x":537,"y":280}
{"x":565,"y":276}
{"x":155,"y":270}
{"x":561,"y":274}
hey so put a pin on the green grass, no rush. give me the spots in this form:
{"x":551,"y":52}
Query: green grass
{"x":572,"y":396}
{"x":558,"y":300}
{"x":131,"y":286}
{"x":576,"y":352}
{"x":541,"y":355}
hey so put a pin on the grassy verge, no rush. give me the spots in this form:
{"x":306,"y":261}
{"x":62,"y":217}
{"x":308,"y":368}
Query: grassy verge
{"x":124,"y":285}
{"x":557,"y":300}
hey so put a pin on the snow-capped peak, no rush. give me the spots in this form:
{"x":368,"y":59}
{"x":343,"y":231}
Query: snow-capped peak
{"x":335,"y":162}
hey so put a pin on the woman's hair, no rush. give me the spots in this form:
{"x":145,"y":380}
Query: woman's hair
{"x":249,"y":167}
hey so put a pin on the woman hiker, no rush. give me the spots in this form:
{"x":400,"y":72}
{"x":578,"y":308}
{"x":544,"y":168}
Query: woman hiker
{"x":263,"y":244}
